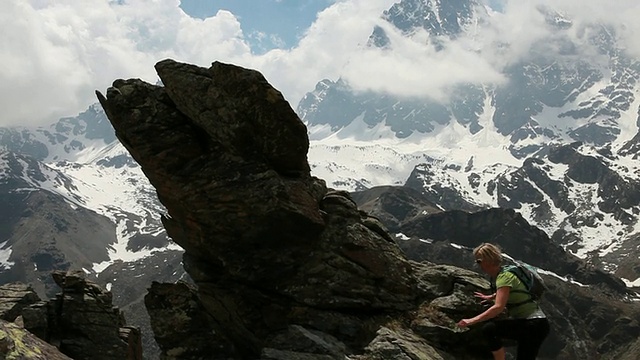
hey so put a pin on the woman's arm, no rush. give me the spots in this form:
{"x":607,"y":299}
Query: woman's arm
{"x":502,"y":295}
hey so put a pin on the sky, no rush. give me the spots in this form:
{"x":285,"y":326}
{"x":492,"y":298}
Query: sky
{"x":56,"y":53}
{"x":266,"y":24}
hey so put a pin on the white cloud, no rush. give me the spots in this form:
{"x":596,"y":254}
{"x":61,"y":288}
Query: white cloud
{"x":415,"y":69}
{"x":621,"y":15}
{"x":412,"y":69}
{"x":55,"y":53}
{"x":339,"y":32}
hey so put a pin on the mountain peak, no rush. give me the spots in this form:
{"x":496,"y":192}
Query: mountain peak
{"x":437,"y":17}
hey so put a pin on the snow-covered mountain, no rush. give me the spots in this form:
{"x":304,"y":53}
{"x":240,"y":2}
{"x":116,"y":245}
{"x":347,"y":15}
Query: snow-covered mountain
{"x":79,"y":171}
{"x":557,"y":140}
{"x":71,"y":197}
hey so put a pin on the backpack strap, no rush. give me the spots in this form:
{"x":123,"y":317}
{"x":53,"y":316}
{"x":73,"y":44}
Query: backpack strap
{"x":525,"y":291}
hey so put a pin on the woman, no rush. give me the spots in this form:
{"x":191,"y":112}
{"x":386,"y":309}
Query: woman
{"x":526,"y":324}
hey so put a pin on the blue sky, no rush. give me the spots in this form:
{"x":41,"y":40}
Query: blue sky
{"x":267,"y":24}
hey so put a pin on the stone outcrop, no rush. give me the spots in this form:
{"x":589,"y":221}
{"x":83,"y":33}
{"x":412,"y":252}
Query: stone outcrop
{"x":14,"y":297}
{"x":283,"y":267}
{"x":181,"y":324}
{"x":80,"y":323}
{"x":275,"y":254}
{"x":18,"y":343}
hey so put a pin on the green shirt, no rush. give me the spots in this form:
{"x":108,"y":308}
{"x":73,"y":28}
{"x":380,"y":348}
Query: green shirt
{"x":523,"y":311}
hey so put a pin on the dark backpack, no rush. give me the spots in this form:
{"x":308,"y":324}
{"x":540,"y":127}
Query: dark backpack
{"x":529,"y":277}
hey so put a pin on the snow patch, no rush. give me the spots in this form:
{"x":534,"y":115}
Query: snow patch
{"x":119,"y":251}
{"x":5,"y":253}
{"x":630,"y":284}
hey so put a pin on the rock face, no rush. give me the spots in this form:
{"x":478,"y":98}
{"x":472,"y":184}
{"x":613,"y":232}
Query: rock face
{"x":80,"y":323}
{"x":284,"y":268}
{"x":86,"y":325}
{"x":181,"y":324}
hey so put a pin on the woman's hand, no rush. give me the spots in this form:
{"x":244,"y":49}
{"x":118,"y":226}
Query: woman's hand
{"x":501,"y":296}
{"x":484,"y":298}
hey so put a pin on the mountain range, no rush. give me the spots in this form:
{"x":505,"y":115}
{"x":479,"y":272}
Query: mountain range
{"x":558,"y":141}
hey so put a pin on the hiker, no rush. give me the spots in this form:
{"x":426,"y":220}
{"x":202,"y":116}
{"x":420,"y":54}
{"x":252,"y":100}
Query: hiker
{"x":526,"y":323}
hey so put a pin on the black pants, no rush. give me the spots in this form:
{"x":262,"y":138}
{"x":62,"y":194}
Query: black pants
{"x":529,"y":333}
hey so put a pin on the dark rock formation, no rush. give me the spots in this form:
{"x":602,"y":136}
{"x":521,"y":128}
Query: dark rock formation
{"x":18,"y":343}
{"x":394,"y":205}
{"x":80,"y":322}
{"x":14,"y":298}
{"x":182,"y":325}
{"x":85,"y":323}
{"x":274,"y":254}
{"x":284,"y":268}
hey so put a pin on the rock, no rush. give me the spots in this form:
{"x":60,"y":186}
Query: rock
{"x":401,"y":344}
{"x":270,"y":249}
{"x":394,"y":205}
{"x":13,"y":298}
{"x":82,"y":322}
{"x":87,"y":325}
{"x":181,"y":325}
{"x":18,"y":343}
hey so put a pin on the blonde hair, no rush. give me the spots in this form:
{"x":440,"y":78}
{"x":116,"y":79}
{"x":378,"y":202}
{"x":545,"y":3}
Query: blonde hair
{"x":488,"y":252}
